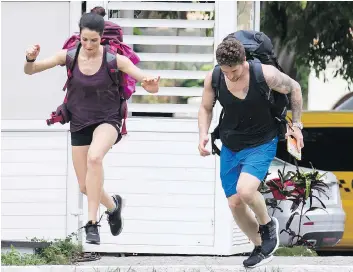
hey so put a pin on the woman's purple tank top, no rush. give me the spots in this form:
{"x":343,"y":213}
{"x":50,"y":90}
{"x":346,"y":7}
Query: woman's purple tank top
{"x":93,"y":99}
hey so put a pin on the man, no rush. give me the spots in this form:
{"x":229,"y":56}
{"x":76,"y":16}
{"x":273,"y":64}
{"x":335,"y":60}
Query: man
{"x":249,"y":135}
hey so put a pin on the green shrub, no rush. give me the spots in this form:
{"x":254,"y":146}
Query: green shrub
{"x":13,"y":257}
{"x":58,"y":252}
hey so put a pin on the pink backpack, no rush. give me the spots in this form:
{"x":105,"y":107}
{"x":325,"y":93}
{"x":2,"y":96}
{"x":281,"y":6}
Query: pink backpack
{"x":126,"y":83}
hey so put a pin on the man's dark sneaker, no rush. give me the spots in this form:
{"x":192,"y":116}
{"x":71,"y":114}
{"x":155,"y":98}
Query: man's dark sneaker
{"x":269,"y":236}
{"x":114,"y":218}
{"x":92,"y":235}
{"x":257,"y":258}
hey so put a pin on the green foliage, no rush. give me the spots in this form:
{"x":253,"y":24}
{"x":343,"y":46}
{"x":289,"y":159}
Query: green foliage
{"x":317,"y":31}
{"x":13,"y":257}
{"x":137,"y":31}
{"x":58,"y":252}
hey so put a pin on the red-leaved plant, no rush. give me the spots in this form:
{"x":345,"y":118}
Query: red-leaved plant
{"x":298,"y":187}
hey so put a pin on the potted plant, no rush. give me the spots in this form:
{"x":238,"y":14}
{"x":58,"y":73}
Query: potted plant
{"x":299,"y":187}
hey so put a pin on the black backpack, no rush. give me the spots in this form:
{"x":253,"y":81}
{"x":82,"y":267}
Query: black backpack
{"x":258,"y":49}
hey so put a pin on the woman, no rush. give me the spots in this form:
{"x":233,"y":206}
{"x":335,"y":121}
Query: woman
{"x":93,"y":102}
{"x":110,"y":27}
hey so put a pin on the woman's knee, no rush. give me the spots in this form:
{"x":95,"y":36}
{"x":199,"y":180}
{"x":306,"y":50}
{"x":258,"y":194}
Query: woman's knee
{"x":94,"y":159}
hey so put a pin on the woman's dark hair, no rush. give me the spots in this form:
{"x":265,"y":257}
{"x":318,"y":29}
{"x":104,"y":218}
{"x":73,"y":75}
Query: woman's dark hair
{"x":93,"y":22}
{"x":99,"y":10}
{"x":230,"y":52}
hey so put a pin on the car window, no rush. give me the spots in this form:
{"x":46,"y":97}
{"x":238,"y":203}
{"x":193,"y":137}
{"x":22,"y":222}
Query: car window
{"x":276,"y":162}
{"x":328,"y":148}
{"x":346,"y":105}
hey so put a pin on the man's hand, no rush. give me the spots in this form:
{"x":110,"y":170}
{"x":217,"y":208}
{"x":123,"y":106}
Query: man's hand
{"x":202,"y":146}
{"x":297,"y":134}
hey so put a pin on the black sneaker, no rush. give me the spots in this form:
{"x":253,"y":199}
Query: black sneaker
{"x":114,"y":218}
{"x":257,"y":258}
{"x":92,"y":235}
{"x":270,"y":237}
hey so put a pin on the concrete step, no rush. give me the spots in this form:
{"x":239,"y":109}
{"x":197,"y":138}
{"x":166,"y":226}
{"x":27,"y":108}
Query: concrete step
{"x":196,"y":264}
{"x":187,"y":268}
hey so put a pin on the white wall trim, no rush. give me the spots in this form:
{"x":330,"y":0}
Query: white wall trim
{"x":75,"y":15}
{"x":225,"y":23}
{"x":73,"y":209}
{"x":91,"y":4}
{"x":256,"y":15}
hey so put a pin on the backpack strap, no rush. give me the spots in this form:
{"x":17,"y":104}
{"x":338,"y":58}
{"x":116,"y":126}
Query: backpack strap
{"x":71,"y":59}
{"x":114,"y":73}
{"x":260,"y":79}
{"x":112,"y":65}
{"x":216,"y":79}
{"x":266,"y":92}
{"x":216,"y":135}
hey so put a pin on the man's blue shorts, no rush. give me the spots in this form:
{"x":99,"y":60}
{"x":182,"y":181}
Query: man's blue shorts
{"x":253,"y":160}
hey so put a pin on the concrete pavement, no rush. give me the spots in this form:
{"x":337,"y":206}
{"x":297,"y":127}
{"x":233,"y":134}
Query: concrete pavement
{"x":197,"y":264}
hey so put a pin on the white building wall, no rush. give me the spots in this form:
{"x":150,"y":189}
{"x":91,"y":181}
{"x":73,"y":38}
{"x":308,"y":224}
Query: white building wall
{"x":33,"y":185}
{"x":33,"y":97}
{"x":322,"y":95}
{"x":34,"y":161}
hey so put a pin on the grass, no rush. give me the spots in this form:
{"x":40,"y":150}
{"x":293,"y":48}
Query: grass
{"x":299,"y":251}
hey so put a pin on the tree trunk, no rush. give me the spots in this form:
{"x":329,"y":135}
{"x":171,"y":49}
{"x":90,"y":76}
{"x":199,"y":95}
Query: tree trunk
{"x":286,"y":58}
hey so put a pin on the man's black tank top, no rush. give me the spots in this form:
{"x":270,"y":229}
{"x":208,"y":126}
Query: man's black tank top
{"x":247,"y":122}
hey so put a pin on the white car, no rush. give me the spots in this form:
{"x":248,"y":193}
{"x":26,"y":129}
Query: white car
{"x":325,"y":227}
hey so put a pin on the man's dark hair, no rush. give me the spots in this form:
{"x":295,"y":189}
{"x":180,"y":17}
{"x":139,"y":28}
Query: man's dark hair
{"x":230,"y":52}
{"x":93,"y":22}
{"x":99,"y":10}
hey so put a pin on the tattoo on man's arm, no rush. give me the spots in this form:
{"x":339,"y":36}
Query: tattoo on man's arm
{"x":283,"y":83}
{"x":296,"y":102}
{"x":280,"y":81}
